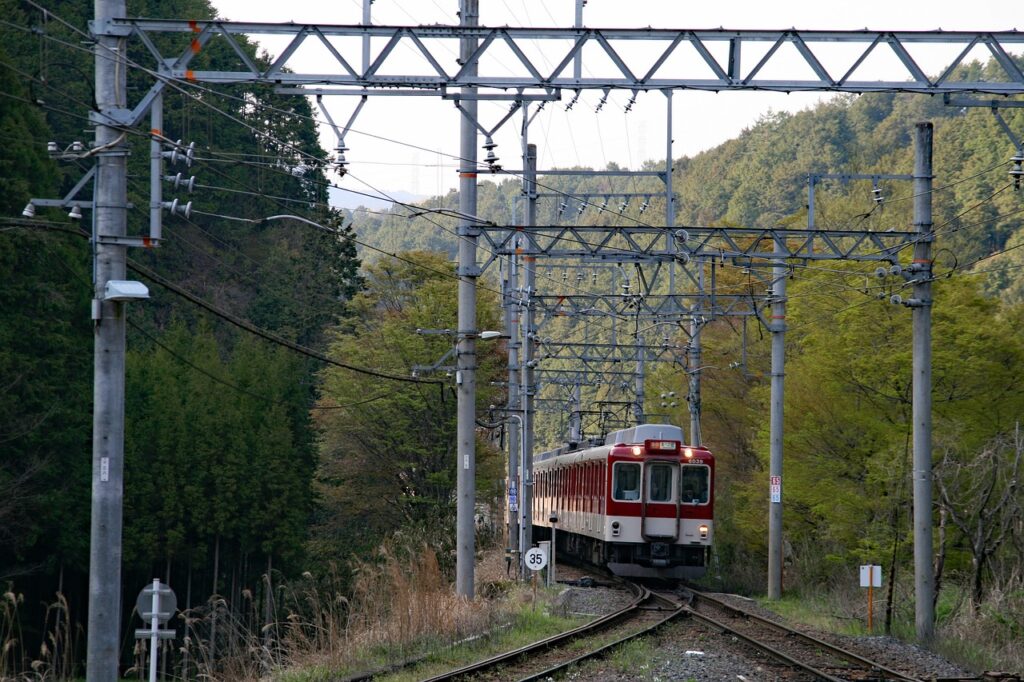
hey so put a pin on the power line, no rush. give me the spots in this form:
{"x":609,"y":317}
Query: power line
{"x":240,"y":322}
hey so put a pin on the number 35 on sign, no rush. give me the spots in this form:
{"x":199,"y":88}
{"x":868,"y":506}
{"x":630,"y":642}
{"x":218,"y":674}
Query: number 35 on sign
{"x":536,"y":558}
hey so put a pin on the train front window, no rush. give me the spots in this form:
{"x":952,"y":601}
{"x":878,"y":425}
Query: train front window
{"x":626,"y":481}
{"x":694,"y":484}
{"x":659,"y":485}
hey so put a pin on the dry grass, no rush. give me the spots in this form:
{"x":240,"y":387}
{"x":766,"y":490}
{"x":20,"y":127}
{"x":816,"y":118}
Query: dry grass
{"x":990,"y":638}
{"x":401,"y":607}
{"x":986,"y":639}
{"x":55,"y":659}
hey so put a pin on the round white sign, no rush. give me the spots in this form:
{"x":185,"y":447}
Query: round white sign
{"x":166,"y":603}
{"x":536,"y":559}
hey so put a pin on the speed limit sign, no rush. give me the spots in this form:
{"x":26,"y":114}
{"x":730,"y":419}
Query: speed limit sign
{"x":536,"y":559}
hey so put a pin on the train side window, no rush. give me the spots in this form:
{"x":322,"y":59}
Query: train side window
{"x":659,"y":484}
{"x":694,"y":486}
{"x":626,"y":481}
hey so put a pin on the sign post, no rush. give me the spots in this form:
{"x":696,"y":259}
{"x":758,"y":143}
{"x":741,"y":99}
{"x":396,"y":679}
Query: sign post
{"x":871,"y":577}
{"x":551,"y":569}
{"x":156,"y":604}
{"x":536,"y":559}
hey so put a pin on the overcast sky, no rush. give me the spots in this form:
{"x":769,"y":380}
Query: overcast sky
{"x":581,"y":136}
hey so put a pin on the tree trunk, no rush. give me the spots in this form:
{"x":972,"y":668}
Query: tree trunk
{"x":940,"y":558}
{"x":890,"y":589}
{"x":268,"y":613}
{"x":213,"y":602}
{"x":188,"y":605}
{"x":164,"y":644}
{"x":978,"y":564}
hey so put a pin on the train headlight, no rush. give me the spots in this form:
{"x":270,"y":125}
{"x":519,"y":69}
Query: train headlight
{"x":615,"y":529}
{"x":703,"y":532}
{"x":688,"y":453}
{"x":638,"y":450}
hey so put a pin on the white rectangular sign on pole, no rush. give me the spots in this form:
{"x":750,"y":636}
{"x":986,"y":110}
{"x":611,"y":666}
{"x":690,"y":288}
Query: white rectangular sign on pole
{"x":870,"y":576}
{"x":776,"y":489}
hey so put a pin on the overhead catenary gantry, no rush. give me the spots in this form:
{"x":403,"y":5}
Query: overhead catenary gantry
{"x":363,"y":60}
{"x":697,"y":59}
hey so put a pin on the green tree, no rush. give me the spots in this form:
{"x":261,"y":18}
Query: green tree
{"x":387,"y":452}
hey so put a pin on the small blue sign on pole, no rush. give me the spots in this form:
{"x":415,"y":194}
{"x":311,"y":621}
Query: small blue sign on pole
{"x":513,"y":498}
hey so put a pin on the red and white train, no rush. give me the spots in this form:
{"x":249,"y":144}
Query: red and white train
{"x":642,"y":504}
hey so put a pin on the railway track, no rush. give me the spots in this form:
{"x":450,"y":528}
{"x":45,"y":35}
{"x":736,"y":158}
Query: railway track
{"x":815,"y":658}
{"x":550,"y":657}
{"x":795,"y":655}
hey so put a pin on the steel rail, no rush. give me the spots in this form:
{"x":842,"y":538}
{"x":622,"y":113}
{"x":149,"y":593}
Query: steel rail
{"x":597,"y":653}
{"x":771,"y":651}
{"x":844,"y":653}
{"x":593,"y":626}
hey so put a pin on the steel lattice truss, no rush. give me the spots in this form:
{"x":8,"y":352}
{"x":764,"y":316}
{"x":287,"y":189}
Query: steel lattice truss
{"x":715,"y":59}
{"x":653,"y":306}
{"x":590,"y":352}
{"x":652,"y":243}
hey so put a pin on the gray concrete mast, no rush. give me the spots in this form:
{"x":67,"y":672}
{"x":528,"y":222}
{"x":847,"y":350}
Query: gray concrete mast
{"x":110,"y":215}
{"x":777,"y":327}
{"x":468,"y":272}
{"x":529,"y":344}
{"x":921,"y":305}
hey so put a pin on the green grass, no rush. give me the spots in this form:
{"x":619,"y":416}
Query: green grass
{"x":528,"y":625}
{"x":632,"y":657}
{"x":820,"y":613}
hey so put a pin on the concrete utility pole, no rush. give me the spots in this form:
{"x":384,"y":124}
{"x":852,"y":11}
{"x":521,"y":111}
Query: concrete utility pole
{"x":778,"y":331}
{"x":695,"y":361}
{"x":110,"y":214}
{"x":465,"y":375}
{"x":512,"y":405}
{"x":638,"y":403}
{"x":529,"y":375}
{"x":575,"y":414}
{"x":921,"y":305}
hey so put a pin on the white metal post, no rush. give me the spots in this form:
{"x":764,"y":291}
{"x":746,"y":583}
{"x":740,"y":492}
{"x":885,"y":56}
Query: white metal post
{"x":154,"y":626}
{"x":366,"y":39}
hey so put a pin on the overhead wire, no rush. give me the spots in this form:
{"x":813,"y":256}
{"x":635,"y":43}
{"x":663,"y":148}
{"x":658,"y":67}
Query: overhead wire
{"x":170,"y":351}
{"x":181,"y":86}
{"x":302,"y":152}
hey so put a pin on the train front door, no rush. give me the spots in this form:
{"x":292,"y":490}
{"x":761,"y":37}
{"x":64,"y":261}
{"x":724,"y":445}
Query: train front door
{"x":659,"y":511}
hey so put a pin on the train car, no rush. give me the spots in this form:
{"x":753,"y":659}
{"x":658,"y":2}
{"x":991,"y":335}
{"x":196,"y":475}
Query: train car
{"x":641,"y":504}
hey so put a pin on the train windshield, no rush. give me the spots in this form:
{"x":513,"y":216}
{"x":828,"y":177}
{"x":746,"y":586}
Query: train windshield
{"x":626,"y":484}
{"x":659,"y":486}
{"x":695,"y":485}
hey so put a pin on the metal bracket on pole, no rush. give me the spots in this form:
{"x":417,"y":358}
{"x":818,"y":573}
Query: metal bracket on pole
{"x":340,"y":163}
{"x":476,"y":122}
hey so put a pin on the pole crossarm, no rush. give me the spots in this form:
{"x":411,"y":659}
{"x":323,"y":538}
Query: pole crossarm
{"x":705,"y":59}
{"x":647,"y":244}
